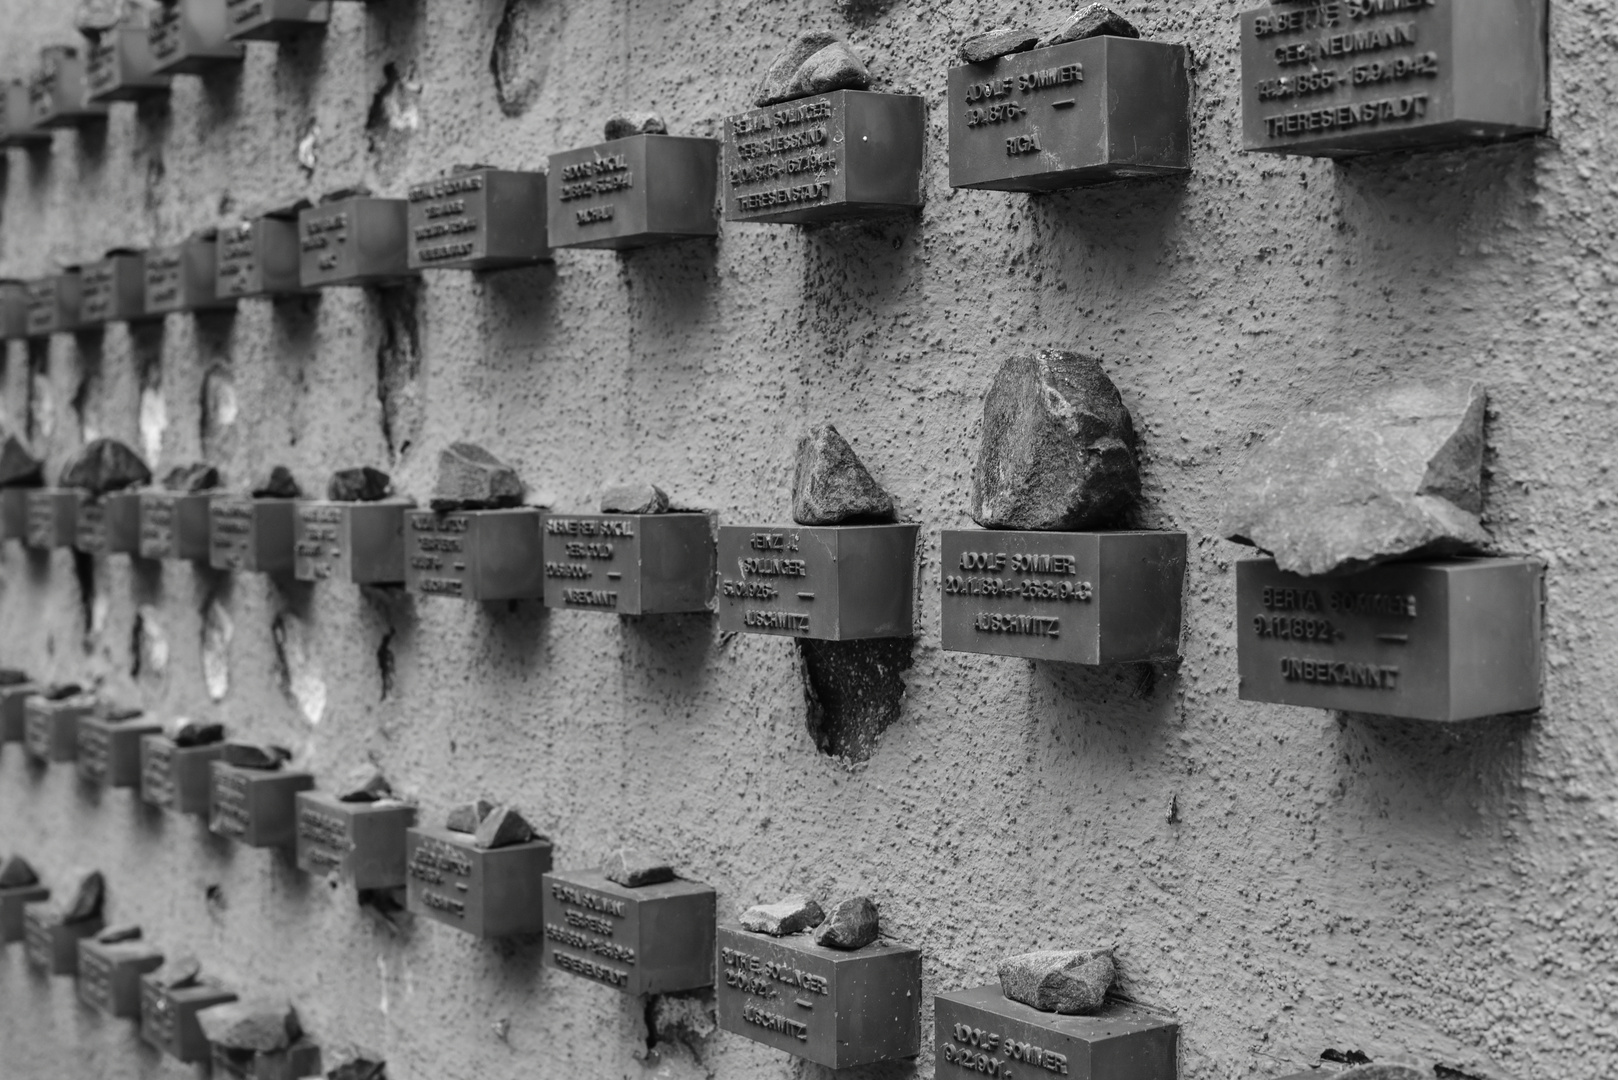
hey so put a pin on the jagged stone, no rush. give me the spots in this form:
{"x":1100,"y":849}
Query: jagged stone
{"x":633,"y":869}
{"x":1058,"y":447}
{"x":85,"y":898}
{"x":63,"y":691}
{"x":279,"y":484}
{"x":363,"y":484}
{"x":360,"y":1068}
{"x":832,"y":486}
{"x":18,"y":465}
{"x":262,"y":1026}
{"x":466,"y":817}
{"x":624,"y":125}
{"x":816,"y":62}
{"x":503,"y":827}
{"x":981,"y":48}
{"x":852,"y":924}
{"x":190,"y":479}
{"x":790,"y":916}
{"x":1093,"y":20}
{"x":366,"y":785}
{"x":180,"y":973}
{"x":1072,"y":982}
{"x":471,"y":478}
{"x":636,"y":498}
{"x":254,"y":756}
{"x":105,"y":465}
{"x":12,"y":677}
{"x":112,"y":935}
{"x":186,"y":732}
{"x":1399,"y":472}
{"x":15,"y":873}
{"x":1382,"y":1072}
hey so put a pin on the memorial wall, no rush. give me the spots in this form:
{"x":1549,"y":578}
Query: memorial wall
{"x":749,"y":539}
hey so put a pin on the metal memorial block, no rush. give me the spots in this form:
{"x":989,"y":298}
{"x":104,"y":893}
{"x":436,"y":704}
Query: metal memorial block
{"x":256,"y":807}
{"x":1344,"y":77}
{"x":487,"y":893}
{"x":109,"y":525}
{"x":51,"y":728}
{"x":259,"y":257}
{"x":830,"y":582}
{"x":360,"y":240}
{"x":1085,"y":112}
{"x":652,"y":939}
{"x":51,"y":945}
{"x":363,"y":843}
{"x":475,"y":554}
{"x":354,"y":542}
{"x":168,"y":1017}
{"x":53,"y":304}
{"x":113,"y":290}
{"x":121,"y":66}
{"x":190,"y":37}
{"x":13,"y":902}
{"x":109,"y":750}
{"x":178,"y":778}
{"x":274,"y":20}
{"x":14,"y":513}
{"x":17,"y":127}
{"x":982,"y":1033}
{"x":1440,"y":639}
{"x":248,"y":535}
{"x":13,"y":310}
{"x":60,"y":94}
{"x":479,"y":219}
{"x":634,"y":192}
{"x":53,"y":517}
{"x":109,"y":975}
{"x":297,"y":1062}
{"x":13,"y":712}
{"x":184,"y":277}
{"x":175,"y":526}
{"x":629,"y":564}
{"x":1077,"y":597}
{"x":833,"y":1007}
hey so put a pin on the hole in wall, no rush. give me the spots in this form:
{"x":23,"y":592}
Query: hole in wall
{"x":854,"y":691}
{"x":84,"y":571}
{"x":398,"y":368}
{"x":520,"y":61}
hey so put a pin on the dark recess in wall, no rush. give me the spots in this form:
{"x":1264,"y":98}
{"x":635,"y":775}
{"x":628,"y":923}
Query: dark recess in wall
{"x":853,"y":691}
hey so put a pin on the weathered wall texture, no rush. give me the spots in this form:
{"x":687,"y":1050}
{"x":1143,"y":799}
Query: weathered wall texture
{"x":1346,"y":882}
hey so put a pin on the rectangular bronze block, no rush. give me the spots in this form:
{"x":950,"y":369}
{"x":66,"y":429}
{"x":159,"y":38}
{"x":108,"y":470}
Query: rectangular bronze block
{"x":51,"y":728}
{"x":629,"y":564}
{"x":981,"y":1033}
{"x":121,"y":66}
{"x":59,"y":94}
{"x":259,"y":257}
{"x":14,"y":513}
{"x":53,"y":517}
{"x":17,"y":118}
{"x":1085,"y":112}
{"x":184,"y":277}
{"x":363,"y":843}
{"x":109,"y":975}
{"x":655,"y":939}
{"x":13,"y":902}
{"x":13,"y":712}
{"x":53,"y":304}
{"x":109,"y":526}
{"x":830,"y":582}
{"x":360,"y":543}
{"x":175,"y":526}
{"x":1077,"y":597}
{"x":1337,"y":79}
{"x":256,"y":807}
{"x":830,"y":157}
{"x":189,"y":37}
{"x":113,"y":290}
{"x":13,"y":310}
{"x":629,"y":193}
{"x":476,"y":555}
{"x":835,"y":1008}
{"x":1439,"y":639}
{"x":356,"y":241}
{"x":52,"y":946}
{"x":168,"y":1018}
{"x":249,"y":535}
{"x":488,"y":894}
{"x":274,"y":20}
{"x":178,"y":778}
{"x":299,"y":1061}
{"x":109,"y":750}
{"x":480,"y":219}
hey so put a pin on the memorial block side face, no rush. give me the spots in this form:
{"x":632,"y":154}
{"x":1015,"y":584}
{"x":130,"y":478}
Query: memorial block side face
{"x":13,"y":902}
{"x":355,"y":241}
{"x":109,"y":976}
{"x":982,"y":1033}
{"x":53,"y":517}
{"x":830,"y":582}
{"x":178,"y":778}
{"x":259,"y":257}
{"x":629,"y":564}
{"x":486,"y":893}
{"x":475,"y":555}
{"x":249,"y":535}
{"x":121,"y":67}
{"x":357,"y":543}
{"x":654,"y":939}
{"x":256,"y":807}
{"x":110,"y":750}
{"x":363,"y":843}
{"x":112,"y":290}
{"x":628,"y":193}
{"x":168,"y":1017}
{"x":274,"y":20}
{"x":190,"y":37}
{"x":60,"y":95}
{"x":174,"y":526}
{"x":479,"y":219}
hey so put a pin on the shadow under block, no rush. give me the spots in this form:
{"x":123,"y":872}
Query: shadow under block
{"x":256,"y":807}
{"x":168,"y":1017}
{"x":175,"y":526}
{"x":833,"y":1007}
{"x":1443,"y":639}
{"x":53,"y":517}
{"x":109,"y":525}
{"x":274,"y":20}
{"x":52,"y":946}
{"x":655,"y":939}
{"x":259,"y":257}
{"x":361,"y":240}
{"x":829,"y":582}
{"x":190,"y":37}
{"x":629,"y":564}
{"x":110,"y":750}
{"x":363,"y":843}
{"x":1336,"y":80}
{"x":13,"y":902}
{"x":479,"y":219}
{"x":60,"y":94}
{"x":982,"y":1033}
{"x":1076,"y":597}
{"x":1084,"y":112}
{"x":51,"y":728}
{"x":54,"y":304}
{"x":634,"y":192}
{"x":109,"y":975}
{"x":251,"y":536}
{"x":353,"y":542}
{"x":488,"y":894}
{"x":476,"y":554}
{"x":113,"y":290}
{"x":178,"y":778}
{"x":184,"y":277}
{"x":122,"y":68}
{"x":831,"y":157}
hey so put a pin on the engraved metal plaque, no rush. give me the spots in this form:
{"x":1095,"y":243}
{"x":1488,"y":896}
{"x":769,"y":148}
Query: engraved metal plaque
{"x":51,"y":728}
{"x":168,"y":1018}
{"x":1077,"y":597}
{"x":53,"y":304}
{"x":175,"y":526}
{"x":259,"y":257}
{"x":1085,"y":112}
{"x":300,"y":1061}
{"x":59,"y":94}
{"x":476,"y":555}
{"x":629,"y":564}
{"x":1447,"y":639}
{"x":654,"y":939}
{"x":13,"y":310}
{"x":982,"y":1033}
{"x":1344,"y":77}
{"x":360,"y":543}
{"x":831,"y":582}
{"x":356,"y":241}
{"x":629,"y":193}
{"x":256,"y":807}
{"x":13,"y":710}
{"x":113,"y":290}
{"x":121,"y":67}
{"x":480,"y":219}
{"x":53,"y":517}
{"x":13,"y":902}
{"x":488,"y":894}
{"x":836,"y":1008}
{"x":178,"y":778}
{"x":830,"y":157}
{"x":189,"y":37}
{"x":109,"y":750}
{"x":251,"y":536}
{"x":274,"y":20}
{"x":51,"y":945}
{"x":109,"y":975}
{"x":17,"y":119}
{"x":109,"y":526}
{"x":363,"y":843}
{"x":184,"y":277}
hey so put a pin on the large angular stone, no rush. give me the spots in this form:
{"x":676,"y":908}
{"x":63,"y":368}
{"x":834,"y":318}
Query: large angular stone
{"x":1058,"y":449}
{"x":1382,"y":1072}
{"x":466,"y":817}
{"x":113,"y":935}
{"x":639,"y":498}
{"x":832,"y":486}
{"x":359,"y":1068}
{"x":181,"y":972}
{"x":18,"y":465}
{"x":993,"y":44}
{"x":254,"y":756}
{"x":63,"y":691}
{"x":363,"y":484}
{"x":816,"y":62}
{"x":1093,"y":20}
{"x":16,"y":873}
{"x":1070,"y":982}
{"x":12,"y":677}
{"x":633,"y":869}
{"x":624,"y":125}
{"x":471,"y":478}
{"x":85,"y":898}
{"x":186,"y":732}
{"x":503,"y":827}
{"x":365,"y":785}
{"x":105,"y":465}
{"x":262,"y":1026}
{"x":1399,"y":472}
{"x":190,"y":479}
{"x":852,"y":924}
{"x":279,"y":484}
{"x":793,"y":915}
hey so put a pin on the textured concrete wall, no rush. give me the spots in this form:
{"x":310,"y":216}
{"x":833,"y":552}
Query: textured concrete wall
{"x":1389,"y":886}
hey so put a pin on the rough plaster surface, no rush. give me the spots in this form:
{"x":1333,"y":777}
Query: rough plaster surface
{"x":1330,"y":881}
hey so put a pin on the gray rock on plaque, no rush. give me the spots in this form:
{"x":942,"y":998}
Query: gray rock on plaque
{"x":1070,"y":982}
{"x":816,"y":62}
{"x":793,"y":915}
{"x":634,"y":498}
{"x":852,"y":924}
{"x":105,"y":465}
{"x":626,"y":124}
{"x":832,"y":486}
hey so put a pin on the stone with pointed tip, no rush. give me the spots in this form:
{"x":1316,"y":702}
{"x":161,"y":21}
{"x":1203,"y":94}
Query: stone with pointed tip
{"x":363,"y":484}
{"x":187,"y":732}
{"x":261,"y":1025}
{"x":638,"y":498}
{"x":105,"y":465}
{"x":112,"y":935}
{"x":816,"y":62}
{"x":471,"y":478}
{"x":366,"y":784}
{"x":624,"y":125}
{"x":18,"y":465}
{"x":15,"y":873}
{"x":466,"y":817}
{"x":85,"y":898}
{"x":633,"y":869}
{"x":1072,"y":982}
{"x":832,"y":486}
{"x":790,"y":916}
{"x":852,"y":924}
{"x":1093,"y":20}
{"x":504,"y":827}
{"x":192,"y":478}
{"x":279,"y":484}
{"x":12,"y":677}
{"x":180,"y":973}
{"x":981,"y":48}
{"x":255,"y":756}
